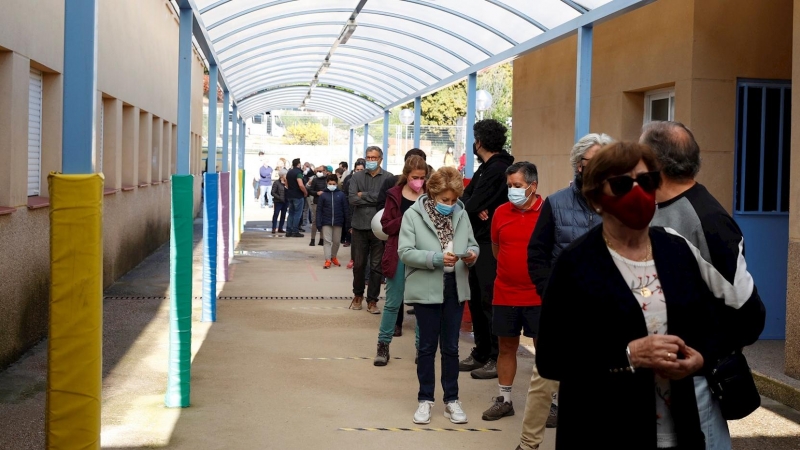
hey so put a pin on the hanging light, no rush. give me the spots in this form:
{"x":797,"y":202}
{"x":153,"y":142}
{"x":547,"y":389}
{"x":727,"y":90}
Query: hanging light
{"x":406,"y":116}
{"x":483,"y":100}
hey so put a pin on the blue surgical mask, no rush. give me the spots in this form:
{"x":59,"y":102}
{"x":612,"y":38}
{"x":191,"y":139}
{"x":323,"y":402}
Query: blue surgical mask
{"x":331,"y":187}
{"x":445,"y":210}
{"x":372,"y":165}
{"x":517,"y":196}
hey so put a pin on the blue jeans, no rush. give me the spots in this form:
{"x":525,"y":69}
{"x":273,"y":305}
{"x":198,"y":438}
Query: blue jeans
{"x":439,"y":325}
{"x":714,"y":426}
{"x":295,"y":213}
{"x":393,"y":308}
{"x":280,"y":209}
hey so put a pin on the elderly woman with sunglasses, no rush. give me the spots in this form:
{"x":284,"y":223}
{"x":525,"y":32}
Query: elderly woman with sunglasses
{"x":626,"y":318}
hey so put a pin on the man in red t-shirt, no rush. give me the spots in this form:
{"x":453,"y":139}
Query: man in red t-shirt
{"x":516,"y":304}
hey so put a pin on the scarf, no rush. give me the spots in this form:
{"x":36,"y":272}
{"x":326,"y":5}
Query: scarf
{"x":442,"y":223}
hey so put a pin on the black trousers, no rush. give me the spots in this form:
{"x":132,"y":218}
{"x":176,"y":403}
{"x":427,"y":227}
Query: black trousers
{"x":365,"y":243}
{"x":481,"y":286}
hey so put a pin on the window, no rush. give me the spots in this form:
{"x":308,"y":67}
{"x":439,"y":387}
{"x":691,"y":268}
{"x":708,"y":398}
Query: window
{"x":659,"y":105}
{"x":34,"y":131}
{"x":258,"y":118}
{"x":763,"y":137}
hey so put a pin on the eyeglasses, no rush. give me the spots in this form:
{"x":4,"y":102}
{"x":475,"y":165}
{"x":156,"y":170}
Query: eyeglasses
{"x":621,"y":185}
{"x":373,"y":158}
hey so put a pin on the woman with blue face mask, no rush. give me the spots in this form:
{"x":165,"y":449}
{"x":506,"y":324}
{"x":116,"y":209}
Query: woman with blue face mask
{"x":437,"y":247}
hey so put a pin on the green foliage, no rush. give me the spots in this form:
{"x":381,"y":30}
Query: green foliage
{"x":306,"y":133}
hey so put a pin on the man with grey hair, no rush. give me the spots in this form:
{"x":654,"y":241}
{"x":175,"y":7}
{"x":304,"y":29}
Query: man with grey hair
{"x":363,"y":196}
{"x":687,"y":207}
{"x":565,"y":216}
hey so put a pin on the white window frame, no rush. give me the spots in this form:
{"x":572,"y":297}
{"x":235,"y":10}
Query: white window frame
{"x":36,"y":81}
{"x":659,"y":94}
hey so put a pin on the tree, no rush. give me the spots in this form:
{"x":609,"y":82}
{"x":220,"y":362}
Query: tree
{"x":306,"y":133}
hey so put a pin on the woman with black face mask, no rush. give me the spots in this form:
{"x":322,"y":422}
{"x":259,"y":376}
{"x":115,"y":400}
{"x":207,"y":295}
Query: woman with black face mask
{"x":626,"y":318}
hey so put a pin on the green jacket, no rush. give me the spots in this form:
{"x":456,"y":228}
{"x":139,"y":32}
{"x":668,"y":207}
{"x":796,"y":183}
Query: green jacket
{"x":421,"y":252}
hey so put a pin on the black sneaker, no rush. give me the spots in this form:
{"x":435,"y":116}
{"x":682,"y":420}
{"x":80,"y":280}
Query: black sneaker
{"x":552,"y":419}
{"x":469,"y":364}
{"x":312,"y":243}
{"x":499,"y":409}
{"x":320,"y":242}
{"x":487,"y":372}
{"x":298,"y":235}
{"x":382,"y":358}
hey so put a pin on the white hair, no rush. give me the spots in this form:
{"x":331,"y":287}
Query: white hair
{"x":584,"y":144}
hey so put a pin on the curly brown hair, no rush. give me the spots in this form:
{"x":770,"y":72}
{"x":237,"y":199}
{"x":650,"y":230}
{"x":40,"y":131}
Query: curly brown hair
{"x":443,"y":179}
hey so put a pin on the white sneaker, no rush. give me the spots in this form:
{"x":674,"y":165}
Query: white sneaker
{"x":423,"y":414}
{"x":454,"y":412}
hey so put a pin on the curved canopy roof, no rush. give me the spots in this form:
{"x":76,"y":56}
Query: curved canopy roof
{"x":356,"y":58}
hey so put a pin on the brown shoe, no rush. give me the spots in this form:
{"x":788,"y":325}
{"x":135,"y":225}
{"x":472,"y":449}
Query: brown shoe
{"x":372,"y":307}
{"x":356,"y":303}
{"x":398,"y":331}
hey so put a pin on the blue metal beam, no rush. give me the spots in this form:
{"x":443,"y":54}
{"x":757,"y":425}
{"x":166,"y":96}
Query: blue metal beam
{"x":385,"y":139}
{"x":226,"y":110}
{"x":80,"y":86}
{"x":245,"y":12}
{"x":212,"y":118}
{"x":242,"y":142}
{"x":576,"y":6}
{"x":366,"y":138}
{"x":583,"y":84}
{"x":185,"y":58}
{"x":472,"y":107}
{"x":519,"y":14}
{"x":350,"y":153}
{"x":417,"y":120}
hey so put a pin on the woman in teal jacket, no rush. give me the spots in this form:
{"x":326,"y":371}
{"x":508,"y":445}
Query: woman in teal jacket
{"x":437,"y":247}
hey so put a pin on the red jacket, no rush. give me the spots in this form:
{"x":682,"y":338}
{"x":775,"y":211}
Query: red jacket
{"x":390,"y":222}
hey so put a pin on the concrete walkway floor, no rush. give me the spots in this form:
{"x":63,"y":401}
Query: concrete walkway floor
{"x":291,"y":373}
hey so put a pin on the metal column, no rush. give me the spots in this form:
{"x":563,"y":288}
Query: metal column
{"x":182,"y":184}
{"x":226,"y":111}
{"x":350,"y":157}
{"x":472,"y":106}
{"x":366,"y":138}
{"x":211,"y":206}
{"x":75,"y":328}
{"x":385,"y":139}
{"x":242,"y":141}
{"x":234,"y":179}
{"x":583,"y":82}
{"x":417,"y":119}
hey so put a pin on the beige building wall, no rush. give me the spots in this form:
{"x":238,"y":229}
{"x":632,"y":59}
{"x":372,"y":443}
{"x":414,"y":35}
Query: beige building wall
{"x":137,"y":84}
{"x":699,"y":47}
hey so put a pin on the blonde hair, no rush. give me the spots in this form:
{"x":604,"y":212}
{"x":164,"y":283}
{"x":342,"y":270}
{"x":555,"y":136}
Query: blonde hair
{"x":443,"y":179}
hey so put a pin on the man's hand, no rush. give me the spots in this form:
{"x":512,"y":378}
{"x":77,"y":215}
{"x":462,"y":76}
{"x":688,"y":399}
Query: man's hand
{"x":359,"y":195}
{"x":484,"y":215}
{"x":319,"y":192}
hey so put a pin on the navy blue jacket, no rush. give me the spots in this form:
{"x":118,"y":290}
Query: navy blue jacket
{"x":333,"y":209}
{"x":565,"y":216}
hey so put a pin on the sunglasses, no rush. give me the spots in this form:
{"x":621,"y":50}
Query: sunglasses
{"x":621,"y":185}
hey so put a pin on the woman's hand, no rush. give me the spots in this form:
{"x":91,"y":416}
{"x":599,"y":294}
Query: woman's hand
{"x":692,"y":362}
{"x":470,"y":258}
{"x":450,"y":260}
{"x":658,"y":352}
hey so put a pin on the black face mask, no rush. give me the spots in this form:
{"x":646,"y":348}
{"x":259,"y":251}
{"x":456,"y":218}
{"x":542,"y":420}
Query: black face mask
{"x":579,"y":179}
{"x":475,"y":152}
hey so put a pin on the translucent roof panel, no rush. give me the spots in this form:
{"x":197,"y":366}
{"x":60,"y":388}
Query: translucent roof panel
{"x":368,"y":55}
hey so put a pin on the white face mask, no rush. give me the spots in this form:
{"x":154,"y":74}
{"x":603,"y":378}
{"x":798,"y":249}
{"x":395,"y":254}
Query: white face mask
{"x":517,"y":196}
{"x":331,"y":187}
{"x":320,"y":174}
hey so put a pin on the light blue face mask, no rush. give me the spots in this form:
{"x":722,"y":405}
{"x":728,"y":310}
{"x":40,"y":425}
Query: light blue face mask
{"x":517,"y":195}
{"x":331,"y":187}
{"x":372,"y":165}
{"x":445,"y":210}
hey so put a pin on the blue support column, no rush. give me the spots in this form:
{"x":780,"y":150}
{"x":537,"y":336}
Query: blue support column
{"x":472,"y":106}
{"x":366,"y":138}
{"x":211,"y":206}
{"x":385,"y":139}
{"x":242,"y":142}
{"x":226,"y":109}
{"x":417,"y":119}
{"x":234,"y":178}
{"x":80,"y":86}
{"x":583,"y":82}
{"x":180,"y":289}
{"x":350,"y":158}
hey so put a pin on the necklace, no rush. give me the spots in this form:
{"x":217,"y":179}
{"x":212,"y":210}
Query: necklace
{"x":643,"y":290}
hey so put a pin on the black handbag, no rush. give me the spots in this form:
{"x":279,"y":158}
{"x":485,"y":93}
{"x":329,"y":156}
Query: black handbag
{"x":733,"y":386}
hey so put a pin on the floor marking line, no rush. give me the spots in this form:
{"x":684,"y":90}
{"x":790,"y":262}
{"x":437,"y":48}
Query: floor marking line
{"x":341,"y":358}
{"x":478,"y":430}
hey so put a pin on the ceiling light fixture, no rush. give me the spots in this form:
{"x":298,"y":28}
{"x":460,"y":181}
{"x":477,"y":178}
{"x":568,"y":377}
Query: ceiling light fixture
{"x":349,"y":29}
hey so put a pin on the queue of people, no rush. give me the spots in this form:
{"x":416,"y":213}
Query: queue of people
{"x":631,"y":281}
